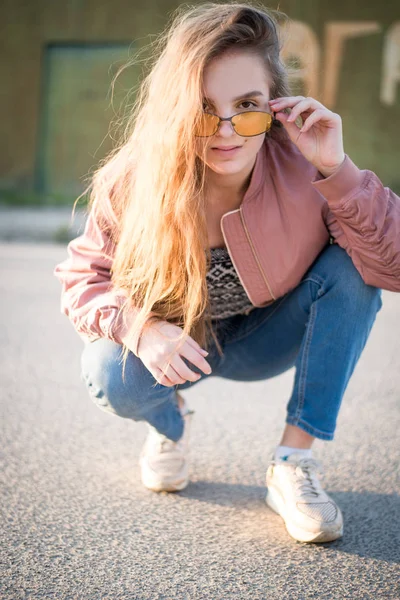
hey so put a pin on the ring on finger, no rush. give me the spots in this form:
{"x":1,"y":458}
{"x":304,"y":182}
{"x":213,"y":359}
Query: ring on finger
{"x":171,"y":374}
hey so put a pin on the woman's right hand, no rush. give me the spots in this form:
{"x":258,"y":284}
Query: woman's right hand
{"x":162,"y":358}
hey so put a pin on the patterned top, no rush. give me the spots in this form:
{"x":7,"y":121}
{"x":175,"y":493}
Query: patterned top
{"x":227,"y":295}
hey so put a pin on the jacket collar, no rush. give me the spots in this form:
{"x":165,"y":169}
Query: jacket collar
{"x":257,"y":174}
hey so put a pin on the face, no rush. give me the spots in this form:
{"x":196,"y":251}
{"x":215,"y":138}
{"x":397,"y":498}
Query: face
{"x":233,"y":83}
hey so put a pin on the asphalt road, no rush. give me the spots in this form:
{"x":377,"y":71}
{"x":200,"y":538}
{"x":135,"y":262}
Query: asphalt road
{"x":77,"y":523}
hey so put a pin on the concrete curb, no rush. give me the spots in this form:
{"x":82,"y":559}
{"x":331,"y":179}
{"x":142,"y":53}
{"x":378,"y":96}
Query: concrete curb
{"x":40,"y":224}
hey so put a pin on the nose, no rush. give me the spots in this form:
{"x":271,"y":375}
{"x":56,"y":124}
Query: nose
{"x":225,"y":129}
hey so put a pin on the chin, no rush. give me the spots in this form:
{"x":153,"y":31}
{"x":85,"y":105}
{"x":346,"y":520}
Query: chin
{"x":227,"y":167}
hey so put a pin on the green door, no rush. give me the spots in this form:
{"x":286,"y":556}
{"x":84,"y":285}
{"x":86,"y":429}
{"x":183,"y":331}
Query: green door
{"x":77,"y":112}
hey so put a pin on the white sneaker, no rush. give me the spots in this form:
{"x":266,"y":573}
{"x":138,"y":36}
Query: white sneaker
{"x":295,"y":493}
{"x":164,"y":463}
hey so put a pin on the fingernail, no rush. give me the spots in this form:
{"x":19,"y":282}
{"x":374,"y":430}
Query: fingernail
{"x":205,"y":352}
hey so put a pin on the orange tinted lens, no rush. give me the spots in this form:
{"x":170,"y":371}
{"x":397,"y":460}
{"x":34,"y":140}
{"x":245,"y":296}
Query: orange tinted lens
{"x":252,"y":123}
{"x":207,"y":125}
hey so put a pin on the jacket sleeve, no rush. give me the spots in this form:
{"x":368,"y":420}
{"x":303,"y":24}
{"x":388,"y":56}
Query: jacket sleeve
{"x":363,"y":217}
{"x":88,"y":297}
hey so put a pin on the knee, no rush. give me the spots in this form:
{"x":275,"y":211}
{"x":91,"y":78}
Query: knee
{"x":362,"y":301}
{"x":101,"y":370}
{"x":360,"y":294}
{"x":349,"y":284}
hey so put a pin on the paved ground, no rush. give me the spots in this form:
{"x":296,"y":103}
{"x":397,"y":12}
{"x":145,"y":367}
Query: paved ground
{"x":40,"y":223}
{"x":79,"y":525}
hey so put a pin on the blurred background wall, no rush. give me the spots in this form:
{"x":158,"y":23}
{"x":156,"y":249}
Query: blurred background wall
{"x":59,"y":58}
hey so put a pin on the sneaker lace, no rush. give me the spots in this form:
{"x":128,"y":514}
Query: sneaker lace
{"x":305,"y":475}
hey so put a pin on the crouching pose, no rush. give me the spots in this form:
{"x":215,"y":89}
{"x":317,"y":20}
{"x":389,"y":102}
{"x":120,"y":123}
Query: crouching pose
{"x":230,"y":235}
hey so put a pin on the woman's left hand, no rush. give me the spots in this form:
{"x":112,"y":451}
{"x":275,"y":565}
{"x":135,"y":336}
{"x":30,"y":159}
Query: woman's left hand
{"x":320,"y":138}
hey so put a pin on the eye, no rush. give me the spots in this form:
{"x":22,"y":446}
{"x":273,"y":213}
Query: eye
{"x":253,"y":104}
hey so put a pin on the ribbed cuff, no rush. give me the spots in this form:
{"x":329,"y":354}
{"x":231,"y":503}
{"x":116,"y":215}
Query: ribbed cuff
{"x":342,"y":183}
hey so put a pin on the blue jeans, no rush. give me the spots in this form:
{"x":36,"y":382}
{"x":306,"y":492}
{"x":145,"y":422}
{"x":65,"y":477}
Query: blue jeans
{"x":320,"y":327}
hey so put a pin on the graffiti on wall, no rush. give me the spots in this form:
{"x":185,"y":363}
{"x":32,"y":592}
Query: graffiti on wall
{"x":302,"y":44}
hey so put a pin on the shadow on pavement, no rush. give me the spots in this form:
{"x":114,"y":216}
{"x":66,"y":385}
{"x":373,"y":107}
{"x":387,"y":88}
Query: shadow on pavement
{"x":371,"y":520}
{"x":372,"y":527}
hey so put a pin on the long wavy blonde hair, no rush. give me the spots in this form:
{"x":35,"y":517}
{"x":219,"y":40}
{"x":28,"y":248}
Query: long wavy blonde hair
{"x":154,"y":180}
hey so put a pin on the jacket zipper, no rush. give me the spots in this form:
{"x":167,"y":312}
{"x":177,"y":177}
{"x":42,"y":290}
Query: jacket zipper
{"x":255,"y":255}
{"x":252,"y":249}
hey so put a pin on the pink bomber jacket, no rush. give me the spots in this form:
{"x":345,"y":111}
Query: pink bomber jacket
{"x":288,"y":215}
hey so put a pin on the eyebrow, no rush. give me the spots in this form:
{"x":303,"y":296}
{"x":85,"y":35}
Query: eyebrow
{"x":245,"y":95}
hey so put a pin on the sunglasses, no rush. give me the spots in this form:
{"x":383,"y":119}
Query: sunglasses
{"x":246,"y":124}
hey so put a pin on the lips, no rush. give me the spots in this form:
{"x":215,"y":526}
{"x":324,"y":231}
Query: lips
{"x":225,"y":147}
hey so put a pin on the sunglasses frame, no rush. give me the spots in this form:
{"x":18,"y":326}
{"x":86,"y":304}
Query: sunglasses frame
{"x":264,"y":112}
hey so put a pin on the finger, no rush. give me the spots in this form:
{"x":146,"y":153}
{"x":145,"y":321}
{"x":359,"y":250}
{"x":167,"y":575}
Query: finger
{"x":162,"y":379}
{"x":288,"y":99}
{"x":170,"y":374}
{"x":195,"y":345}
{"x":196,"y":359}
{"x":285,"y":102}
{"x":291,"y":101}
{"x":291,"y":128}
{"x":318,"y":115}
{"x":302,"y":108}
{"x":183,"y":370}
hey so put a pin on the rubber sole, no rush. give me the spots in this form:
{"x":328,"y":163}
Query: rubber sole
{"x":155,"y":483}
{"x":275,"y":502}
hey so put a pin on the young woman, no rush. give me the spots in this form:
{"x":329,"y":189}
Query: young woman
{"x":231,"y":220}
